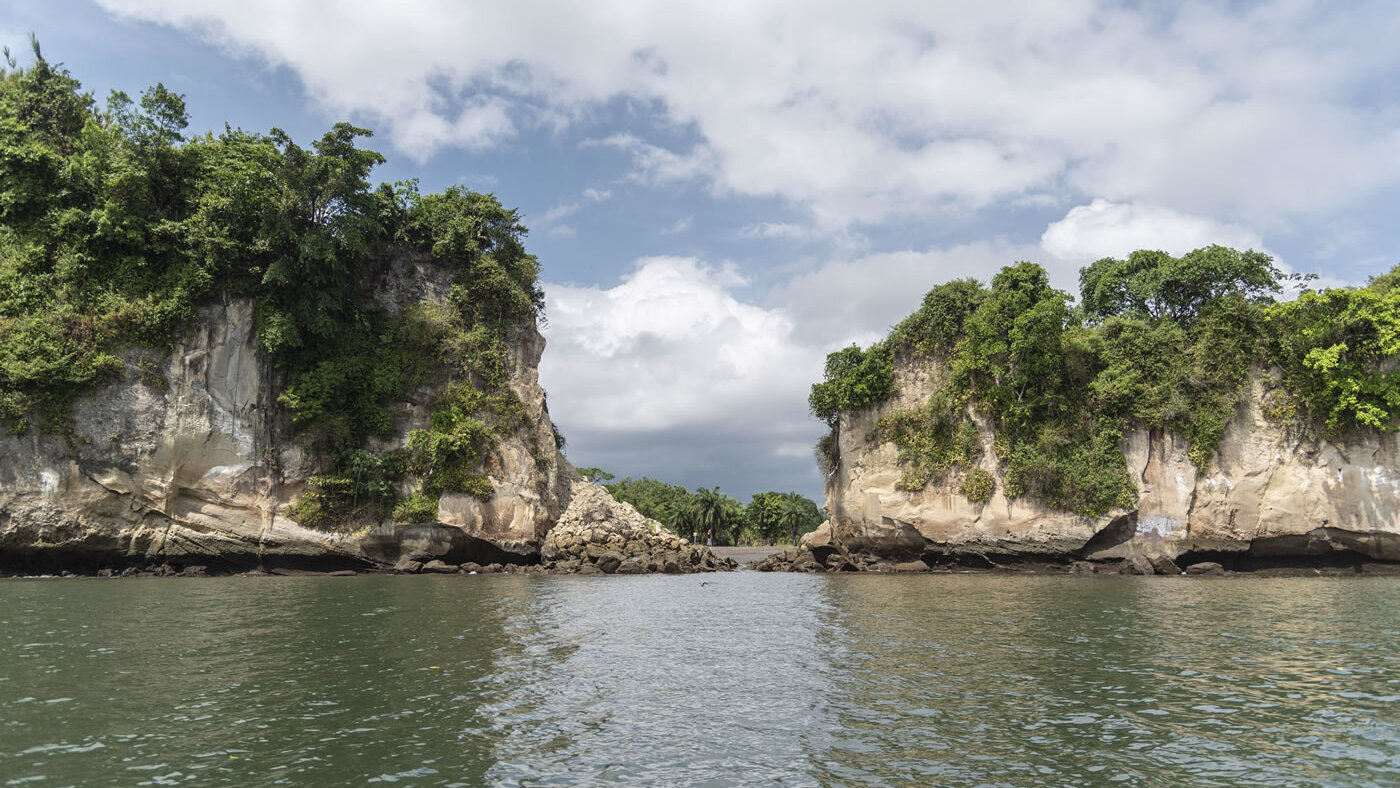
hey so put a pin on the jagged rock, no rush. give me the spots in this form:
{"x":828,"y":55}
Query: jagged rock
{"x":1082,"y":568}
{"x":598,"y":531}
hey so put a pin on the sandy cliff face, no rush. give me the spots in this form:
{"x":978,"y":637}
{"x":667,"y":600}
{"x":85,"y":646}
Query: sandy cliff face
{"x":1270,"y":492}
{"x":181,"y":461}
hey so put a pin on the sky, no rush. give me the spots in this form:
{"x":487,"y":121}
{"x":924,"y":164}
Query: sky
{"x":722,"y":193}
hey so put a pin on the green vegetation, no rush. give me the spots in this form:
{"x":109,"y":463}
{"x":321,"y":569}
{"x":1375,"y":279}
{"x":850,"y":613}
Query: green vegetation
{"x":708,"y":513}
{"x":1157,"y":342}
{"x":115,"y":228}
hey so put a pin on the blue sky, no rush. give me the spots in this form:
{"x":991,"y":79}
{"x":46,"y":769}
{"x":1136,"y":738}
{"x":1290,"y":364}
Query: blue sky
{"x":722,"y":193}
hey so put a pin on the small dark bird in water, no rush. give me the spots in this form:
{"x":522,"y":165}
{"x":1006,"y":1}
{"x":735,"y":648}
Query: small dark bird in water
{"x":702,"y":585}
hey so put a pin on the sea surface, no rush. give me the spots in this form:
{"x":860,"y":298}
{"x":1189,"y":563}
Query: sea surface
{"x":731,"y":679}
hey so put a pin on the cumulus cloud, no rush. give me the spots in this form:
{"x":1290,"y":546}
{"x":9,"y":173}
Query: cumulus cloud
{"x":1106,"y":229}
{"x":872,"y":112}
{"x":668,"y":373}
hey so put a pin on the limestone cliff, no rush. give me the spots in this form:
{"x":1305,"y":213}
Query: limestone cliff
{"x":1272,"y":492}
{"x":188,"y":459}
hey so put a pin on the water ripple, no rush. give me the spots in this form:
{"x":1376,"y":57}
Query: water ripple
{"x":749,"y":679}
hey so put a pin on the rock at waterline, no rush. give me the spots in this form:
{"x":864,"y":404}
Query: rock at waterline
{"x":598,"y":534}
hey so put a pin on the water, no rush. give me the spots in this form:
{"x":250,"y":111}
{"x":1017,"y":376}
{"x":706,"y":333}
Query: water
{"x":735,"y":679}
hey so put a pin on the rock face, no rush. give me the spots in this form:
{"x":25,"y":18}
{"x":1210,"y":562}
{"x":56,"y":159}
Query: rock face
{"x":1272,"y":493}
{"x":599,"y":534}
{"x":180,"y":462}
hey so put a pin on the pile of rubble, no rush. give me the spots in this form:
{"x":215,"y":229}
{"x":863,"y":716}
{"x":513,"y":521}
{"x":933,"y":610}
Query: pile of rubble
{"x":599,"y":535}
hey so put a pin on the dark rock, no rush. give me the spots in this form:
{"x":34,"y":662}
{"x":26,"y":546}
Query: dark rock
{"x":589,"y":569}
{"x":439,"y":567}
{"x":631,"y":567}
{"x":1137,"y":565}
{"x":1082,"y":568}
{"x":471,"y":566}
{"x":1205,"y":568}
{"x":195,"y":571}
{"x":106,"y":572}
{"x":1164,"y":566}
{"x":608,"y":563}
{"x":404,"y":565}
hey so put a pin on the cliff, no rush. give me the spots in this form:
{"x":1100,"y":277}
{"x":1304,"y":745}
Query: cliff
{"x":1271,"y":493}
{"x":188,"y":459}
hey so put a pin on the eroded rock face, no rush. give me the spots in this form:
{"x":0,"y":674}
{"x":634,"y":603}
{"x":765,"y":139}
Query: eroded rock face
{"x":597,"y":533}
{"x":1270,"y":493}
{"x":180,"y":462}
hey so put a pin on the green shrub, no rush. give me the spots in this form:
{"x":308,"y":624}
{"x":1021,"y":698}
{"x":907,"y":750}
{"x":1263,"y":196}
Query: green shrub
{"x":978,"y":486}
{"x":417,"y":508}
{"x":855,"y":379}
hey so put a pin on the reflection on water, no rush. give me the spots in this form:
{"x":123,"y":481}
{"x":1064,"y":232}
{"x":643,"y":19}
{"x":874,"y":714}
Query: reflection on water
{"x":737,"y":679}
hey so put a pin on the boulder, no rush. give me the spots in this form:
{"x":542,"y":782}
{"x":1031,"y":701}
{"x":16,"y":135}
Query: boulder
{"x":1137,"y":565}
{"x":1205,"y":568}
{"x":1164,"y":566}
{"x":910,"y":566}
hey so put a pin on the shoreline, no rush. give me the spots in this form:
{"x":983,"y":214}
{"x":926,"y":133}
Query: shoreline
{"x":1037,"y":569}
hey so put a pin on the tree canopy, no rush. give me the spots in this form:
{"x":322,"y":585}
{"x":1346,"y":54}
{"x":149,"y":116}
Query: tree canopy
{"x":1154,"y":285}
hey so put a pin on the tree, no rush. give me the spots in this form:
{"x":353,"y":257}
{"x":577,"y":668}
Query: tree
{"x":596,"y":475}
{"x":855,"y":378}
{"x":1014,"y":353}
{"x":716,"y":513}
{"x":1153,"y":285}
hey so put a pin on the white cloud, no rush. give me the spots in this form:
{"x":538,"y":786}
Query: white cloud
{"x":558,"y":213}
{"x":778,"y":230}
{"x":669,"y":345}
{"x":1106,"y":229}
{"x":653,"y":164}
{"x":872,"y":112}
{"x":682,"y":224}
{"x":671,"y":353}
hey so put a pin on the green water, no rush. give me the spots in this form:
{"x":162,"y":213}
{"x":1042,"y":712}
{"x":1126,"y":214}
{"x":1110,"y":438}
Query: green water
{"x":734,"y":679}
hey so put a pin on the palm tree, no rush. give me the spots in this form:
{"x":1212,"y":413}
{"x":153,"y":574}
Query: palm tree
{"x":711,"y":511}
{"x":792,"y":515}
